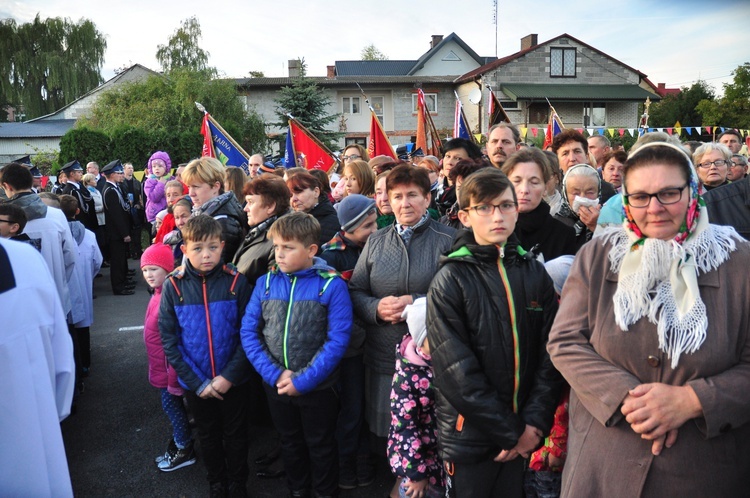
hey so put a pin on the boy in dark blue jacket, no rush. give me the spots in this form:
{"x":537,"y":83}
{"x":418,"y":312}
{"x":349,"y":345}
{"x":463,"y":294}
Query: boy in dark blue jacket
{"x":295,"y":332}
{"x":199,"y":321}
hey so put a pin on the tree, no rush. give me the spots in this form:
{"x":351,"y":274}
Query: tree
{"x":371,"y":53}
{"x":182,"y":50}
{"x":47,"y":64}
{"x":733,"y":109}
{"x":166,"y":105}
{"x":681,"y":107}
{"x":304,"y":100}
{"x":256,"y":74}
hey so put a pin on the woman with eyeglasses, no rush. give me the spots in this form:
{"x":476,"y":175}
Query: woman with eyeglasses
{"x":352,"y":152}
{"x":653,"y":341}
{"x":712,"y":162}
{"x":536,"y":229}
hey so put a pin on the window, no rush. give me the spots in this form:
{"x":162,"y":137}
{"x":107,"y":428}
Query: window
{"x":356,"y":141}
{"x":378,"y":104}
{"x":430,"y":99}
{"x":351,"y":105}
{"x":562,"y":62}
{"x":594,"y":114}
{"x":509,"y":104}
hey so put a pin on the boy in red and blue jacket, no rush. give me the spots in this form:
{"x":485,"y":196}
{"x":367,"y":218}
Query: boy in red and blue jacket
{"x":199,"y":321}
{"x":295,"y":332}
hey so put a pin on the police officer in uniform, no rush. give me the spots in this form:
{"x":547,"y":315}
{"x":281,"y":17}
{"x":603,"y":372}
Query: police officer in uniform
{"x":87,"y":213}
{"x":118,"y":221}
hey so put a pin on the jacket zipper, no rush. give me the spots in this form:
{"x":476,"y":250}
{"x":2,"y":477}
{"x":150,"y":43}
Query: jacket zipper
{"x":208,"y":329}
{"x":286,"y":323}
{"x":514,"y":327}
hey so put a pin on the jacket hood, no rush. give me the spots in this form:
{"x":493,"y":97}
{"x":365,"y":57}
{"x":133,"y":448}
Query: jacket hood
{"x":78,"y":231}
{"x":31,"y":204}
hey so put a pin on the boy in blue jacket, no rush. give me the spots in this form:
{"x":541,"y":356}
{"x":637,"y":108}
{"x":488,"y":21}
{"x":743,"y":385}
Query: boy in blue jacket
{"x":295,"y":332}
{"x":199,"y":321}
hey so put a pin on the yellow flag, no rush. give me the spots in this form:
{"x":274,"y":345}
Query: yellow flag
{"x":611,"y":132}
{"x":523,"y":132}
{"x":677,"y":128}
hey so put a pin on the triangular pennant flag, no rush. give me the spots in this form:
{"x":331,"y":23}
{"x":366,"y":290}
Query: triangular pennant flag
{"x":478,"y":137}
{"x":669,"y":130}
{"x":535,"y":131}
{"x":611,"y":132}
{"x":689,"y":130}
{"x":677,"y":128}
{"x":580,"y":130}
{"x":632,"y":132}
{"x":523,"y":132}
{"x":722,"y":129}
{"x":660,"y":130}
{"x":600,"y":131}
{"x":590,"y":131}
{"x":621,"y":131}
{"x":708,"y":130}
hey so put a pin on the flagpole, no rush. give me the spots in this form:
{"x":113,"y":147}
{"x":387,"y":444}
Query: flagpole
{"x":291,"y":137}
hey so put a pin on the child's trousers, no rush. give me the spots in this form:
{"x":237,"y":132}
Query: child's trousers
{"x":307,"y":427}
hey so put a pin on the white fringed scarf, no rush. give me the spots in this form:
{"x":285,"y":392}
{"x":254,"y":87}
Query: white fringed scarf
{"x":658,"y":279}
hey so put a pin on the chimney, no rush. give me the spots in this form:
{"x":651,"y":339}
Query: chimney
{"x":331,"y":72}
{"x":529,"y":41}
{"x":294,"y":68}
{"x":436,"y":39}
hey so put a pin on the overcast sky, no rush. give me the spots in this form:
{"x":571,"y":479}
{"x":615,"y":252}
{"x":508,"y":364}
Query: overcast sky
{"x":672,"y":41}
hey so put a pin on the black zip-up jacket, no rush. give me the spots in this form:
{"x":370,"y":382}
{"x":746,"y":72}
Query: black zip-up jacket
{"x":730,"y":205}
{"x":493,"y":375}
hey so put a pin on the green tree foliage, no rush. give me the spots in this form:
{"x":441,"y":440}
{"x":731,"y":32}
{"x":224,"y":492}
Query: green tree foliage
{"x":681,"y":107}
{"x":161,"y":111}
{"x":256,"y":74}
{"x":305,"y":100}
{"x":85,"y":145}
{"x":182,"y":50}
{"x":371,"y":53}
{"x":733,"y":109}
{"x":46,"y":64}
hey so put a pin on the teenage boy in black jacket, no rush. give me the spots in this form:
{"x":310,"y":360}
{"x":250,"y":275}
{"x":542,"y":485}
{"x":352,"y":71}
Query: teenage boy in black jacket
{"x":490,"y":309}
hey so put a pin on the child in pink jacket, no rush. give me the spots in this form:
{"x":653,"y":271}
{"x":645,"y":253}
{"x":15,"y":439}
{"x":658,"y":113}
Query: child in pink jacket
{"x":156,"y":263}
{"x":159,"y":172}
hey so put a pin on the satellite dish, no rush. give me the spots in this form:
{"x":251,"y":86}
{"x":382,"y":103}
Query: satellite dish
{"x":475,"y":96}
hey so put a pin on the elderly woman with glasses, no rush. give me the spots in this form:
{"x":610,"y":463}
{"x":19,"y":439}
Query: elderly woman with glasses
{"x":712,"y":160}
{"x":649,"y":338}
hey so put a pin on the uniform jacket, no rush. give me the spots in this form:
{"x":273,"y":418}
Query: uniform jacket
{"x":116,"y":212}
{"x":299,"y":322}
{"x":387,"y":267}
{"x":160,"y":373}
{"x":87,"y":213}
{"x":601,"y":362}
{"x":488,"y":318}
{"x":199,"y":322}
{"x":730,"y":205}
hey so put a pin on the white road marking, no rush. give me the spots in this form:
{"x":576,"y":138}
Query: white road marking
{"x":130,"y":329}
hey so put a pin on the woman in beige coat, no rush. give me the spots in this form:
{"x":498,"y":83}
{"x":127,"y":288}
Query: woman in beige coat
{"x":653,"y":337}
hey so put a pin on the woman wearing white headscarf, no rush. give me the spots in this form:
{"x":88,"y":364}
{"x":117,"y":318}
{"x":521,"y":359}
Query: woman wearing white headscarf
{"x":654,"y":338}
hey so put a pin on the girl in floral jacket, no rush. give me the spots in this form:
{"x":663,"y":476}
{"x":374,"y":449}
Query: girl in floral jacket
{"x":412,"y":438}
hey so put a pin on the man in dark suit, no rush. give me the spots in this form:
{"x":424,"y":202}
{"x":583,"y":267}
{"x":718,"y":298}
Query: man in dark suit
{"x":133,"y":190}
{"x":87,"y":213}
{"x":93,"y":168}
{"x":119,"y":222}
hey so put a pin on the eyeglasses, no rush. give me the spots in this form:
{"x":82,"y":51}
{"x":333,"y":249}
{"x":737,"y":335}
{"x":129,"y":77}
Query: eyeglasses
{"x":665,"y":197}
{"x":7,"y":221}
{"x":718,"y":163}
{"x":351,"y":157}
{"x":489,"y":209}
{"x":737,"y":165}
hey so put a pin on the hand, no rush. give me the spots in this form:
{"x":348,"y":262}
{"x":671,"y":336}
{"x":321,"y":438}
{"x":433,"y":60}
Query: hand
{"x":417,"y":489}
{"x":528,"y":441}
{"x":589,"y":216}
{"x":126,"y":239}
{"x":284,"y":384}
{"x":210,"y":392}
{"x":220,"y":384}
{"x":667,"y":440}
{"x":389,"y":309}
{"x":652,"y":410}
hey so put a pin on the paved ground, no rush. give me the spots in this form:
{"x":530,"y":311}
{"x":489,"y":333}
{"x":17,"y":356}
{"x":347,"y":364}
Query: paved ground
{"x":119,"y":426}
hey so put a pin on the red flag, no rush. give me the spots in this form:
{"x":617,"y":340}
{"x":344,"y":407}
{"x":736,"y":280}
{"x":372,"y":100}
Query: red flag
{"x":311,"y":154}
{"x":421,"y":125}
{"x":379,"y":144}
{"x":496,"y":112}
{"x":208,"y":143}
{"x":554,"y":126}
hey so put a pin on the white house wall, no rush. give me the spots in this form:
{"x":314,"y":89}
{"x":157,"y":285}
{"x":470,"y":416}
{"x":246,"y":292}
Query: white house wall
{"x":442,"y":62}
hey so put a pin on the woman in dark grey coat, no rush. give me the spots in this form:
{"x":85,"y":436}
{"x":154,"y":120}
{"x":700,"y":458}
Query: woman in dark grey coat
{"x":395,"y":268}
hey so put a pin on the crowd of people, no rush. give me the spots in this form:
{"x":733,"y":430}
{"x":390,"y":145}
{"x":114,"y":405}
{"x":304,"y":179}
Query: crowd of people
{"x":503,"y":321}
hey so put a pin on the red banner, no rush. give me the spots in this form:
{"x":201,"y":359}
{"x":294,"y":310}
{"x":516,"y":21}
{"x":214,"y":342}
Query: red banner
{"x":309,"y":152}
{"x":208,"y":143}
{"x":379,"y":144}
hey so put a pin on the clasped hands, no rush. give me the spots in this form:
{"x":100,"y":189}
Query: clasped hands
{"x":656,"y":411}
{"x":390,"y":308}
{"x":219,"y":385}
{"x":527,"y":443}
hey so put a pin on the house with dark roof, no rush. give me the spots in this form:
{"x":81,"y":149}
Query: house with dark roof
{"x":391,"y":88}
{"x":44,"y":133}
{"x":588,"y":88}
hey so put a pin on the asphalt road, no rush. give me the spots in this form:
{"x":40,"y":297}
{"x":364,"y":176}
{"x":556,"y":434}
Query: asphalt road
{"x":119,"y":426}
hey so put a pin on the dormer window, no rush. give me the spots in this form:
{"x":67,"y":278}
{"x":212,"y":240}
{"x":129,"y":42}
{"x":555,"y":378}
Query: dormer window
{"x":562,"y":62}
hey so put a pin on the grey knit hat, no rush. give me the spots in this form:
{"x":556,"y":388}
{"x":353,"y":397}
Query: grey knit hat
{"x":353,"y":210}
